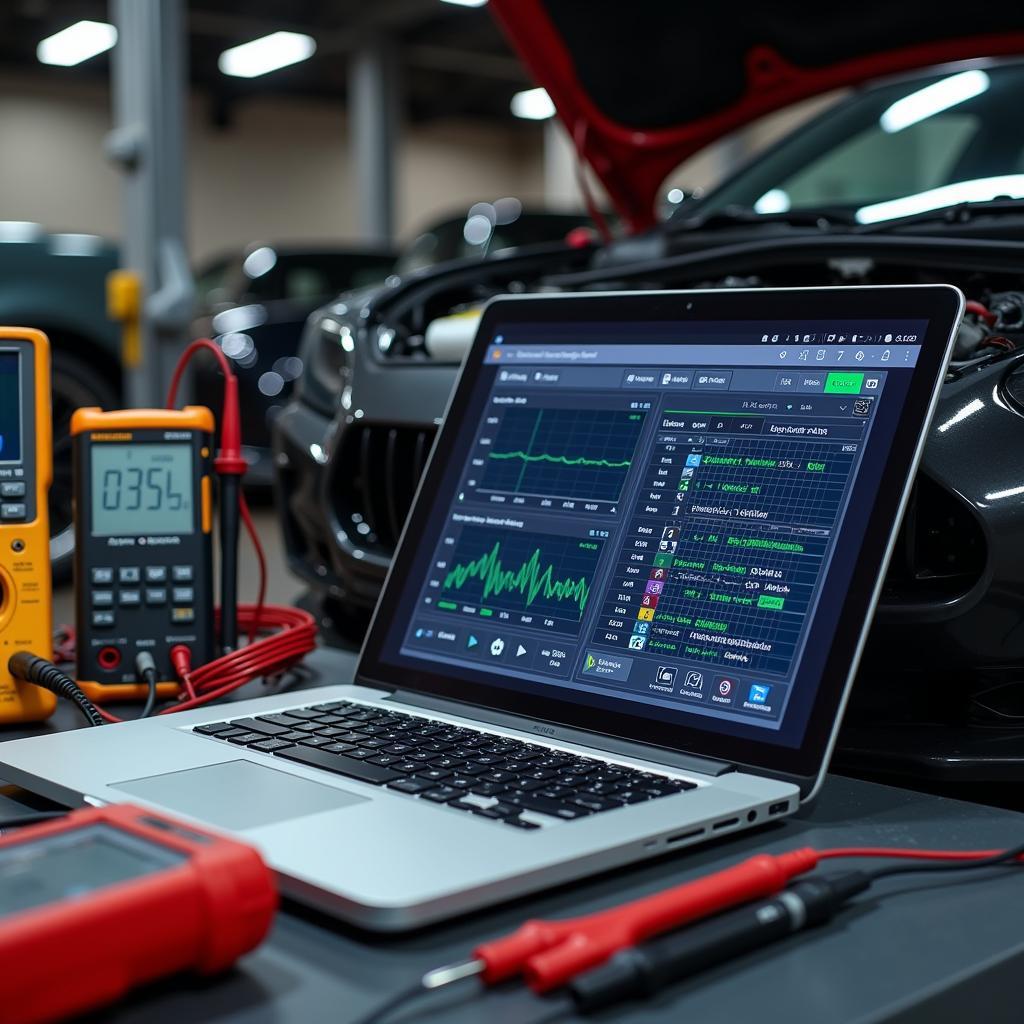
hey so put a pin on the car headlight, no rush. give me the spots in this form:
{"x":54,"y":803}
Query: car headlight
{"x":328,"y":343}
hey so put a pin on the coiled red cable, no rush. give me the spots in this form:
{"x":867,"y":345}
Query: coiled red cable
{"x":280,"y":636}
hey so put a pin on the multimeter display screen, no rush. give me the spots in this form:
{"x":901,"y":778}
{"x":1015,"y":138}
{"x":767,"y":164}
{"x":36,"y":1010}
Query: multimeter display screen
{"x":10,"y":407}
{"x":74,"y":864}
{"x":142,"y":489}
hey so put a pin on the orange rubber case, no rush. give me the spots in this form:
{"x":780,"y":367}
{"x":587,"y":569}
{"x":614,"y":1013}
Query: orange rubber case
{"x":26,"y":596}
{"x":124,"y":421}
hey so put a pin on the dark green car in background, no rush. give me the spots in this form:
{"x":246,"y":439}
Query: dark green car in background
{"x":57,"y":283}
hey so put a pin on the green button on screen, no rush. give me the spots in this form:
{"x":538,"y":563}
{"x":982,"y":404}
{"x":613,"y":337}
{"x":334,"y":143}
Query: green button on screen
{"x":844,"y":383}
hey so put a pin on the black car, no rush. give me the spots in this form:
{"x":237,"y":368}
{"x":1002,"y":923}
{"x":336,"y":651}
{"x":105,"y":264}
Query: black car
{"x":254,"y":303}
{"x":913,"y":178}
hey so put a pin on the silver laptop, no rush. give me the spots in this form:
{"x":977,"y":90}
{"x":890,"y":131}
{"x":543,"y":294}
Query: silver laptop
{"x":623,"y":619}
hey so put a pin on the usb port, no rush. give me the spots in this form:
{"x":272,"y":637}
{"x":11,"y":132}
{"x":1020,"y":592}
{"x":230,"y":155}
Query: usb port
{"x":780,"y":808}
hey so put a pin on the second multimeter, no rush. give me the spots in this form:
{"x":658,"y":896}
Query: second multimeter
{"x":143,"y":552}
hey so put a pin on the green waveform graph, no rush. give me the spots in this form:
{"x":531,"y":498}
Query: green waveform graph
{"x":562,"y":459}
{"x":522,"y":572}
{"x":582,"y":454}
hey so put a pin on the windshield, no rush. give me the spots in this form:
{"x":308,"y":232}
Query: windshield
{"x":487,"y":228}
{"x":902,"y":148}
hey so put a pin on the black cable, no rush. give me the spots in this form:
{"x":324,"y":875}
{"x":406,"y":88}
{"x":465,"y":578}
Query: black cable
{"x":911,"y":868}
{"x":145,"y":669}
{"x":399,"y":999}
{"x":30,"y":668}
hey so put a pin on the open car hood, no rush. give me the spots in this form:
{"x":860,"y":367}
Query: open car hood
{"x":642,"y":85}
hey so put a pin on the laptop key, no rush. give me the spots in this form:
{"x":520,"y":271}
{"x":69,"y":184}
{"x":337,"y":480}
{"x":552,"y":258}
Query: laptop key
{"x":385,"y":759}
{"x":333,"y":705}
{"x":213,"y":728}
{"x":243,"y":739}
{"x":288,"y":721}
{"x":255,"y":725}
{"x":316,"y":741}
{"x":303,"y":713}
{"x":339,"y":764}
{"x":440,"y":795}
{"x":339,"y":748}
{"x":633,"y":796}
{"x":488,"y":788}
{"x":269,"y":745}
{"x":544,"y":805}
{"x":520,"y":823}
{"x":434,"y":774}
{"x":596,"y":803}
{"x":412,"y":786}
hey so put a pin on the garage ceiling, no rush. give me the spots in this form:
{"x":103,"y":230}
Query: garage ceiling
{"x":453,"y":60}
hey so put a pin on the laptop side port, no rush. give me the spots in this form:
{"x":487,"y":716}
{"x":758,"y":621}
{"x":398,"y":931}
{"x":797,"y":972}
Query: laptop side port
{"x":778,"y":808}
{"x":725,"y":823}
{"x":681,"y":837}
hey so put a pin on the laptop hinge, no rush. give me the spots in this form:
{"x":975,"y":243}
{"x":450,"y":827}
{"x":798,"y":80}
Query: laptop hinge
{"x":566,"y":734}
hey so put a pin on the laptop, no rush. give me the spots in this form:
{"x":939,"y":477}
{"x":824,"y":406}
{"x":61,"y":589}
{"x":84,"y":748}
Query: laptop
{"x":623,"y":619}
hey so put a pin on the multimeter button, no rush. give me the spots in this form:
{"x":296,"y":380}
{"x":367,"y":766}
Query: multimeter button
{"x":181,"y":616}
{"x":181,"y":573}
{"x":12,"y":490}
{"x":102,"y":618}
{"x":156,"y":573}
{"x":131,"y":598}
{"x":129,"y":574}
{"x":103,"y":575}
{"x":156,"y":595}
{"x":12,"y":511}
{"x":103,"y":598}
{"x":183,"y":595}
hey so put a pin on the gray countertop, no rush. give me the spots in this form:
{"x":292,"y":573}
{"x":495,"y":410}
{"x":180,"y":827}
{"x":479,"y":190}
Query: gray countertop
{"x":914,"y":949}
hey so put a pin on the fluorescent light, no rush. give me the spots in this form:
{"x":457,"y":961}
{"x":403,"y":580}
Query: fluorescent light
{"x":266,"y":54}
{"x":533,"y":104}
{"x":76,"y":43}
{"x":933,"y":99}
{"x":775,"y":200}
{"x":466,"y":3}
{"x":978,"y":190}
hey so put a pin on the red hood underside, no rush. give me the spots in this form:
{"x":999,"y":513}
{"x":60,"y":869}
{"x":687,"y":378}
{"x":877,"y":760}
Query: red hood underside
{"x":642,"y":85}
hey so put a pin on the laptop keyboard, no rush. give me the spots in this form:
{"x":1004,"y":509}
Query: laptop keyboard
{"x":482,"y":773}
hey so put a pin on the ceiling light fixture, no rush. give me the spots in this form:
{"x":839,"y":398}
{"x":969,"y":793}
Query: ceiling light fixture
{"x":466,"y":3}
{"x":266,"y":54}
{"x":76,"y":43}
{"x":533,"y":104}
{"x":933,"y":99}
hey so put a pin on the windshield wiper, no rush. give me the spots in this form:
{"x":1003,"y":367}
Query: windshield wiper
{"x":960,"y":213}
{"x":821,"y":217}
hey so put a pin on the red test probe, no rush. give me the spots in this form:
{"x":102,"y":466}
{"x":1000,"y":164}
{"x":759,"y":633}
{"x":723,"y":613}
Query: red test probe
{"x":551,"y":954}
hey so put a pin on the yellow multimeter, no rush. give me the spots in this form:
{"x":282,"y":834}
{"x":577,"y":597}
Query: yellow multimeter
{"x":143,"y":545}
{"x":26,"y":470}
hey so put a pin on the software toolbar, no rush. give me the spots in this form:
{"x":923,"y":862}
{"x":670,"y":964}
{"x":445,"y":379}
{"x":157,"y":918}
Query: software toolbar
{"x":657,"y":531}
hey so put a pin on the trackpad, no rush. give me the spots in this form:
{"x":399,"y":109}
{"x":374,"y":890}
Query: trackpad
{"x":238,"y":794}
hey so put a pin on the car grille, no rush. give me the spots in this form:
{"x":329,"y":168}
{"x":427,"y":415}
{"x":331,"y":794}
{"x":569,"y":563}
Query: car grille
{"x":376,"y":472}
{"x":940,"y":551}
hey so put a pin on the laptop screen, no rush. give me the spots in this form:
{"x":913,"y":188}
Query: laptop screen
{"x":656,"y":518}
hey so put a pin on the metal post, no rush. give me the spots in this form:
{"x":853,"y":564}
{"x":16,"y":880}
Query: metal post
{"x":373,"y":119}
{"x":148,"y":144}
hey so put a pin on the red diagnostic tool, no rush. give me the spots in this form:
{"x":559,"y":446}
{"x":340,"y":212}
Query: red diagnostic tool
{"x":105,"y":899}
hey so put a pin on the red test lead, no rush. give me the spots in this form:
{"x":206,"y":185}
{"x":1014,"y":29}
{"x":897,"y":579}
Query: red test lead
{"x":550,"y":953}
